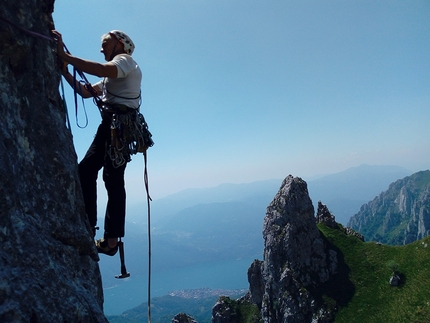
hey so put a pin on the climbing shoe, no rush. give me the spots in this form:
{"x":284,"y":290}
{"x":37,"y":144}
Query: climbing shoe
{"x":103,"y":247}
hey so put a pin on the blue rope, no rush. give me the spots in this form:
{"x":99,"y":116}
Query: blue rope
{"x":75,"y":90}
{"x":65,"y":105}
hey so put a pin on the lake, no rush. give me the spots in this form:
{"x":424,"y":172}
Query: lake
{"x":124,"y":294}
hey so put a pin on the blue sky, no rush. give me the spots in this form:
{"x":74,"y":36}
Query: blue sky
{"x":242,"y":90}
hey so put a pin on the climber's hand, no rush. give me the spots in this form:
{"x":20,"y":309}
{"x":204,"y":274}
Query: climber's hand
{"x":60,"y":44}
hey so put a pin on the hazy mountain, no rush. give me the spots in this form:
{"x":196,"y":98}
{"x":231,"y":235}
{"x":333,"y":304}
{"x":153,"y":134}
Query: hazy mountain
{"x":399,"y":215}
{"x":327,"y":272}
{"x":225,"y":222}
{"x":198,"y":226}
{"x":345,"y":192}
{"x":256,"y":193}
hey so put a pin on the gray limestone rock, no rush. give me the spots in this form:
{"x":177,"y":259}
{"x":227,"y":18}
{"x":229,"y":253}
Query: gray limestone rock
{"x":324,"y":216}
{"x":222,"y":311}
{"x":183,"y":318}
{"x":296,"y":259}
{"x":256,"y":282}
{"x":395,"y":279}
{"x":351,"y":232}
{"x":49,"y":269}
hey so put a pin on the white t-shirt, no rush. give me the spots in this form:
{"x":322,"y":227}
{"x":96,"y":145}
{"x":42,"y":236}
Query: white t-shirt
{"x":125,"y":88}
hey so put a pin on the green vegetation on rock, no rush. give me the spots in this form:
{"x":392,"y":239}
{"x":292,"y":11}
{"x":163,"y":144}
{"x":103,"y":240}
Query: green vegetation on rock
{"x":370,"y":266}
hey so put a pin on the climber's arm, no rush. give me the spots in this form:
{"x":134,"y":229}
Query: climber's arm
{"x":94,"y":68}
{"x":80,"y":88}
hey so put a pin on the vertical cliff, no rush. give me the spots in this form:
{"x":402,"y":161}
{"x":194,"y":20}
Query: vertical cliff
{"x":297,"y":260}
{"x":49,"y":270}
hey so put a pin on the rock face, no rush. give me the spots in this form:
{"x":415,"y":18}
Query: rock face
{"x":399,"y":215}
{"x":183,"y":318}
{"x":222,"y":312}
{"x":296,"y":259}
{"x":49,"y":270}
{"x":324,"y":216}
{"x":227,"y":310}
{"x":351,"y":232}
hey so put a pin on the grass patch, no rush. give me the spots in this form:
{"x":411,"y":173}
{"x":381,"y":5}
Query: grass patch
{"x":242,"y":311}
{"x":369,"y":267}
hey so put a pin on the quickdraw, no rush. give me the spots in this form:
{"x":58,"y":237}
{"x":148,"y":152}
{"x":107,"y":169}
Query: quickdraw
{"x":129,"y":136}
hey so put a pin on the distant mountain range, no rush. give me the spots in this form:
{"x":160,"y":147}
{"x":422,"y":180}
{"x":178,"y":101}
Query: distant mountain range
{"x":196,"y":219}
{"x":223,"y":223}
{"x":198,"y":225}
{"x":343,"y":192}
{"x":345,"y":272}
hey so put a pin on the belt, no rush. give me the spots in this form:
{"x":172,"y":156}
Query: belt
{"x":115,"y":108}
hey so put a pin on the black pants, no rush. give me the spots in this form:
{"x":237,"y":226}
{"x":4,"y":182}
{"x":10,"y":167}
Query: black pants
{"x":96,"y":158}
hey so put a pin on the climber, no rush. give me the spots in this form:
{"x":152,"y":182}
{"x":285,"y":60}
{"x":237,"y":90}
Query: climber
{"x":120,"y":95}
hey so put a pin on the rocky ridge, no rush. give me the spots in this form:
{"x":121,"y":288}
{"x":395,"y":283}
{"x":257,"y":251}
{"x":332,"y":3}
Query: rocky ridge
{"x":399,"y":215}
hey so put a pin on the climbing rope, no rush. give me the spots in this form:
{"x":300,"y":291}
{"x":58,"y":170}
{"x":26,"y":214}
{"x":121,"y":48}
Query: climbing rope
{"x":63,"y":98}
{"x":148,"y":199}
{"x":29,"y":32}
{"x":39,"y":35}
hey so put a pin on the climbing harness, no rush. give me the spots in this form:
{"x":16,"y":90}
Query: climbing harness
{"x":129,"y":135}
{"x":129,"y":130}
